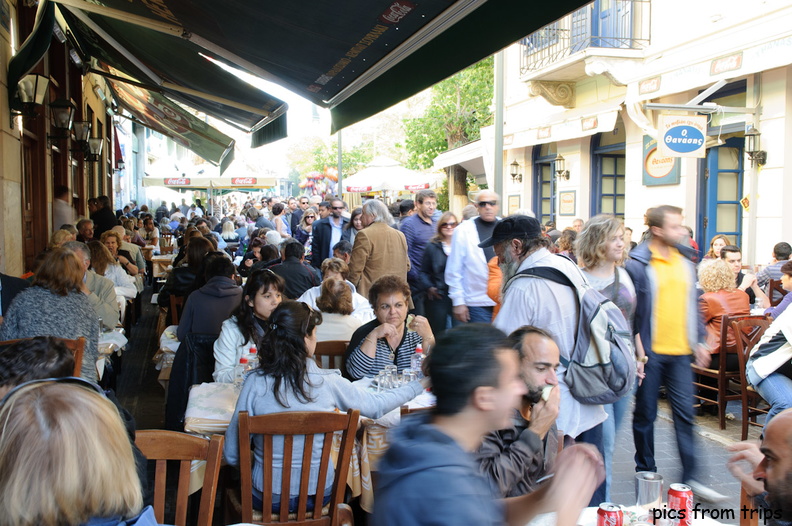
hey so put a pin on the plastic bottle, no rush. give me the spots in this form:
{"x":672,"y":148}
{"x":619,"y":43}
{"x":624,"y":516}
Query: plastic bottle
{"x":253,"y":359}
{"x":239,"y":372}
{"x":416,"y":361}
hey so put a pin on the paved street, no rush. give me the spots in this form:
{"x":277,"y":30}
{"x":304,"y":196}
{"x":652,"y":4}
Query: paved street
{"x":711,"y":453}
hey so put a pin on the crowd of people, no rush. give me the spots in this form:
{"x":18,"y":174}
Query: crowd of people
{"x":499,"y":341}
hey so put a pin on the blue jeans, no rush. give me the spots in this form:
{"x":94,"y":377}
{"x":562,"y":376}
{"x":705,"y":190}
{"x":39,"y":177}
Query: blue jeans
{"x":480,"y":314}
{"x":776,"y":389}
{"x":258,"y":503}
{"x":593,"y":436}
{"x":675,"y":373}
{"x":610,"y":426}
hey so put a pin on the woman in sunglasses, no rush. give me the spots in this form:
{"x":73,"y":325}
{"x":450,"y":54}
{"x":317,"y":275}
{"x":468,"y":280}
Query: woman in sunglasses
{"x":432,"y":277}
{"x":304,"y":231}
{"x":288,"y":379}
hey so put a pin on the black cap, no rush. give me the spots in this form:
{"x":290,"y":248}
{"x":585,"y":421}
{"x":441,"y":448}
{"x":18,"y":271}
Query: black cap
{"x":513,"y":227}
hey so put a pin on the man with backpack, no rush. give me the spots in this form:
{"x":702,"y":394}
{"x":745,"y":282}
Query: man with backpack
{"x":549,"y":305}
{"x":668,"y":323}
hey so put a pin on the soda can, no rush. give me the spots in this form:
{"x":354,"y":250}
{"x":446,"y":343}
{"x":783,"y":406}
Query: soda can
{"x":680,"y":499}
{"x":609,"y":514}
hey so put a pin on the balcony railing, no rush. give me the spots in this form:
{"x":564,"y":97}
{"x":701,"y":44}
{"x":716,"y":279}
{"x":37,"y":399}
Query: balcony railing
{"x":614,"y":24}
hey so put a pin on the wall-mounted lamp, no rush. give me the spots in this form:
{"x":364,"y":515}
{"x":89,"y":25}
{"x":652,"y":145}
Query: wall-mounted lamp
{"x":62,"y":112}
{"x":756,"y":155}
{"x":31,"y":92}
{"x":514,"y":171}
{"x":94,"y":152}
{"x":560,"y":168}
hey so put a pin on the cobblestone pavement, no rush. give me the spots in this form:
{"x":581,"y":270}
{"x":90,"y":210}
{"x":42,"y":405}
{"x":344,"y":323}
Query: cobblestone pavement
{"x":711,"y":444}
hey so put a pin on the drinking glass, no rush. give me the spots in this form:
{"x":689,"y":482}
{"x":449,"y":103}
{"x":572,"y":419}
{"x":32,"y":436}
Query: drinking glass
{"x":648,"y":490}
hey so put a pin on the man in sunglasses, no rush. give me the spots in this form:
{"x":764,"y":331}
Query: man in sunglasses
{"x":466,"y":270}
{"x":298,"y":213}
{"x":327,"y":232}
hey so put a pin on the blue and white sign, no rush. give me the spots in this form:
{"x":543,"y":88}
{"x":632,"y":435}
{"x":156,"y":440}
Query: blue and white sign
{"x":682,"y":136}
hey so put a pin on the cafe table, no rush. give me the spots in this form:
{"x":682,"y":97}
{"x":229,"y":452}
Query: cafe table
{"x":160,"y":264}
{"x":110,"y":342}
{"x":211,"y":405}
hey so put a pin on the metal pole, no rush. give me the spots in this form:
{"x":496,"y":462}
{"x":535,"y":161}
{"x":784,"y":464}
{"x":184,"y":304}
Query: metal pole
{"x":498,"y":150}
{"x":339,"y":186}
{"x":750,"y":248}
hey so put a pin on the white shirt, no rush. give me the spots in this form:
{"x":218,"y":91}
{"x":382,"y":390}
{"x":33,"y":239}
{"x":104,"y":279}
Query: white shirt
{"x":362,"y":307}
{"x":336,"y":327}
{"x":554,"y":308}
{"x":466,"y":269}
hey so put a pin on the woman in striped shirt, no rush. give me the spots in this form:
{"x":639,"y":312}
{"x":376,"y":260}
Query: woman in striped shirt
{"x":388,"y":339}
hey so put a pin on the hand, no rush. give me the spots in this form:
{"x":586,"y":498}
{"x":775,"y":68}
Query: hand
{"x":748,"y":281}
{"x":432,"y":294}
{"x":703,"y":356}
{"x":84,"y":289}
{"x":124,"y":261}
{"x":579,"y":470}
{"x":422,"y":327}
{"x":426,"y":382}
{"x":461,"y":313}
{"x":639,"y":371}
{"x":384,"y":330}
{"x":748,"y":452}
{"x":544,"y":414}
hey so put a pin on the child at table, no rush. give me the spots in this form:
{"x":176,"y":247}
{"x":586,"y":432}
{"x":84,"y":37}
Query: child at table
{"x":263,"y":293}
{"x":288,"y":379}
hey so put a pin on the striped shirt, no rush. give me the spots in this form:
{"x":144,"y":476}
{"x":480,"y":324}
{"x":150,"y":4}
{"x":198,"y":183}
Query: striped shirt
{"x":360,"y":365}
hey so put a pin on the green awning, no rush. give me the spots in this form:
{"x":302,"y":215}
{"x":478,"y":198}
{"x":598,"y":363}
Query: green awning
{"x":156,"y":112}
{"x":31,"y":52}
{"x":355,"y":57}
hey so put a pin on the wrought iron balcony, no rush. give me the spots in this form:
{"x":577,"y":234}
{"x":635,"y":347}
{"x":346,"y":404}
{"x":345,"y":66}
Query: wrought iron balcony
{"x":611,"y":24}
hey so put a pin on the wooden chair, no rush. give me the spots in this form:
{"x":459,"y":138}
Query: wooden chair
{"x":723,"y":391}
{"x":330,"y":354}
{"x":176,"y":308}
{"x":749,"y":332}
{"x":286,"y":426}
{"x":406,"y":410}
{"x":77,"y":347}
{"x":162,"y":446}
{"x":747,"y":509}
{"x":775,"y":292}
{"x":166,"y":243}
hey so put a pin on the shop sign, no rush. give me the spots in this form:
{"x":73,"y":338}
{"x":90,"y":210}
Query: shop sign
{"x":243,"y":181}
{"x":177,"y":181}
{"x":658,"y":169}
{"x":416,"y":187}
{"x":683,"y":136}
{"x":358,"y":189}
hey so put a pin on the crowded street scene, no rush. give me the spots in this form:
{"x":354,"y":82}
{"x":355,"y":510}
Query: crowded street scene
{"x":396,"y":263}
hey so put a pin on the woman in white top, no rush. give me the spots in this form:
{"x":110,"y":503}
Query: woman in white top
{"x":104,"y":264}
{"x":281,"y":225}
{"x":335,"y":303}
{"x":263,"y":293}
{"x":601,"y":251}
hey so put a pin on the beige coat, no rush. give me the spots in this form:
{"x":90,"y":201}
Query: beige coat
{"x":379,"y":250}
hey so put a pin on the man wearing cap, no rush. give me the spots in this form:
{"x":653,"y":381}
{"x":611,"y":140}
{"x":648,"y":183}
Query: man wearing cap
{"x":519,"y":244}
{"x":466,"y":269}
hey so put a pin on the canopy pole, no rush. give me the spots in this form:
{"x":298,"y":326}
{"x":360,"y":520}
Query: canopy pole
{"x":498,"y":152}
{"x":340,"y":181}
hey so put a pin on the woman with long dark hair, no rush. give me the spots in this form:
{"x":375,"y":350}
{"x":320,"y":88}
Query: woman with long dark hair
{"x":288,"y":379}
{"x":263,"y":293}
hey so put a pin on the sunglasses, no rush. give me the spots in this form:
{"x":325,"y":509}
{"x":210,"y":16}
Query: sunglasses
{"x":448,"y":225}
{"x":310,"y":217}
{"x":338,"y":208}
{"x":482,"y":204}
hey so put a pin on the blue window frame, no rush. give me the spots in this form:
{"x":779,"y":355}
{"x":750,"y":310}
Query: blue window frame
{"x":608,"y":173}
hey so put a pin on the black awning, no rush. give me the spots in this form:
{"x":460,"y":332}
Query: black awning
{"x":176,"y":68}
{"x":355,"y":57}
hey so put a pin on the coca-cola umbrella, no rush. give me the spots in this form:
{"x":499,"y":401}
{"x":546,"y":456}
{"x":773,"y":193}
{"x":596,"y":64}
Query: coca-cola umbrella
{"x":385,"y":174}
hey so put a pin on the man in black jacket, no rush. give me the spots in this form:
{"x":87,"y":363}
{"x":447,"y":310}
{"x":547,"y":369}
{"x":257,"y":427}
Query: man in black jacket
{"x":298,"y":276}
{"x":104,"y":219}
{"x":327,"y":232}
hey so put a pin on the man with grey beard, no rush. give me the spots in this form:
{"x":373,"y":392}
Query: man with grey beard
{"x":519,"y":244}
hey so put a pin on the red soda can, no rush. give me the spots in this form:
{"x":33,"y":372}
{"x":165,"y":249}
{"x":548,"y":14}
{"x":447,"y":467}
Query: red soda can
{"x":680,"y":498}
{"x":609,"y":514}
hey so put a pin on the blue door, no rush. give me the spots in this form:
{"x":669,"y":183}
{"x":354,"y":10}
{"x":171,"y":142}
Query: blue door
{"x":612,"y":23}
{"x":720,"y":191}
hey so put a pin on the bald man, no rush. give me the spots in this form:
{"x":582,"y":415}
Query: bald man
{"x":771,"y":480}
{"x":466,"y":270}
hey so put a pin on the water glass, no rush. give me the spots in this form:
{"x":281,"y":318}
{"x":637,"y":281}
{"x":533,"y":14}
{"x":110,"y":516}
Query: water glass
{"x":648,"y":490}
{"x":380,"y":380}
